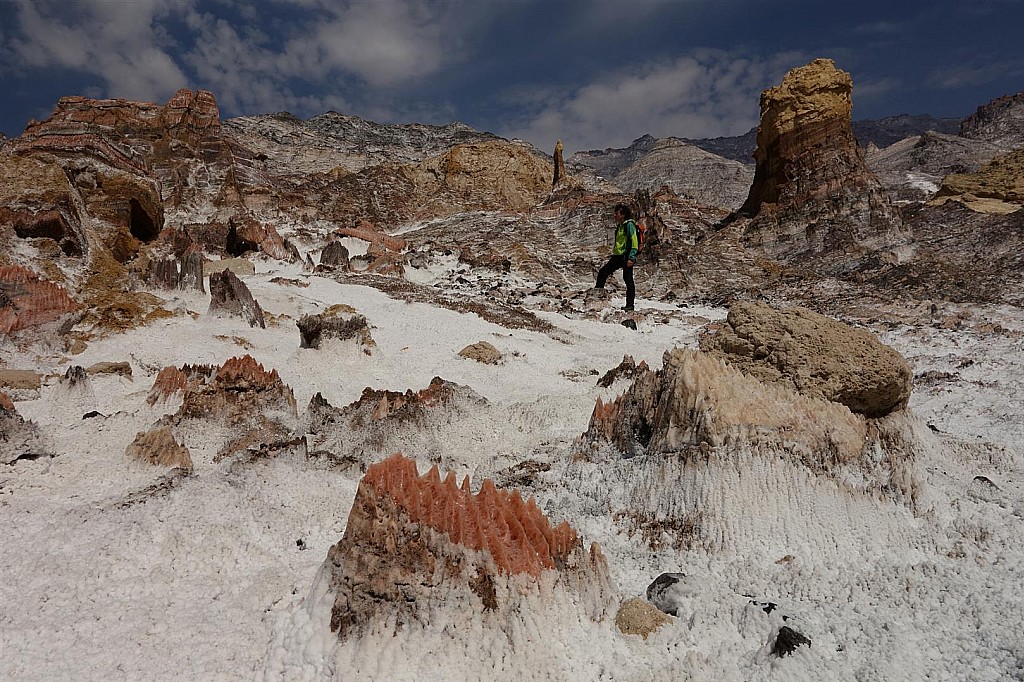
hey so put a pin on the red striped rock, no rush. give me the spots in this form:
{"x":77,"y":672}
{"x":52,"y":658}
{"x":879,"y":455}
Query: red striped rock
{"x":28,"y":301}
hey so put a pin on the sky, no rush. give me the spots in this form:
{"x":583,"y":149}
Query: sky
{"x":593,"y":73}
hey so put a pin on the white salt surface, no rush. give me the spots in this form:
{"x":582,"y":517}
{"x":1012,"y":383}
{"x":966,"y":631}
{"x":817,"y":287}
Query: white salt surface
{"x":205,"y":579}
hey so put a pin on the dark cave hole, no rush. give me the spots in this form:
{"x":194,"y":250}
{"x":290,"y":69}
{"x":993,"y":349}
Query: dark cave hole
{"x":236,"y":246}
{"x":141,"y":224}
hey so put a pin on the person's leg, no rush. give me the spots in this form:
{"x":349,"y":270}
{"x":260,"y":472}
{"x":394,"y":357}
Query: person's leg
{"x":627,"y":277}
{"x":611,"y":266}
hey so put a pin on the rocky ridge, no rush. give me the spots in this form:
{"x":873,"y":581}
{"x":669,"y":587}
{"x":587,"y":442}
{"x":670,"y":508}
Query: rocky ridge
{"x":1000,"y":122}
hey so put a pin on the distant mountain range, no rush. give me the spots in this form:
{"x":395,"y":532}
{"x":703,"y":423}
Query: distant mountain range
{"x":881,"y":133}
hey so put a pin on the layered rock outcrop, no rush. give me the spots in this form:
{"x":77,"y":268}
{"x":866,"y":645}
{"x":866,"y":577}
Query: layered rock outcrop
{"x":39,"y":205}
{"x":812,"y":192}
{"x":27,"y":301}
{"x":1000,"y":122}
{"x":691,"y":172}
{"x":413,"y":544}
{"x":467,"y":177}
{"x":913,"y":168}
{"x":343,"y":144}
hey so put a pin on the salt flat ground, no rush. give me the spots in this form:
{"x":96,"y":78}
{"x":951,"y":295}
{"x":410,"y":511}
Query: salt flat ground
{"x":108,"y":575}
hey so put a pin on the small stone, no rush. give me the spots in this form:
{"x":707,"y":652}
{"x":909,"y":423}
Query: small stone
{"x":787,"y":641}
{"x":481,"y":352}
{"x":638,"y":617}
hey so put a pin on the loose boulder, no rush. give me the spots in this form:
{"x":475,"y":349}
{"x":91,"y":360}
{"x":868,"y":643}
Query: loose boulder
{"x":638,"y":617}
{"x":816,"y":355}
{"x":481,"y":352}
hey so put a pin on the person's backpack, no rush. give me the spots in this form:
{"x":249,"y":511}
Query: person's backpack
{"x":641,"y":235}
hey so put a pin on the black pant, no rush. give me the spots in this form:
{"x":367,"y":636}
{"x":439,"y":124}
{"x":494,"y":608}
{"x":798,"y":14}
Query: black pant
{"x":613,"y":264}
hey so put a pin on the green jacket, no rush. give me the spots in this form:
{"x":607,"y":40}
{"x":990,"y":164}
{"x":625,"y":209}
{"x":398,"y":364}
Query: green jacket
{"x":625,"y":233}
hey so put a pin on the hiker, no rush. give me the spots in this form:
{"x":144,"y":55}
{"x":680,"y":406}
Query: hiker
{"x":623,"y":253}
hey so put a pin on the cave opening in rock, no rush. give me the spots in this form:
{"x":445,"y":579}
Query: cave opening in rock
{"x":142,"y":226}
{"x":236,"y":245}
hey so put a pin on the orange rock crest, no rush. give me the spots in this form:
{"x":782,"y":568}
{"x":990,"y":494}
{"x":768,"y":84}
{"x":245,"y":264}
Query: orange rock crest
{"x":245,"y":372}
{"x":515,"y":533}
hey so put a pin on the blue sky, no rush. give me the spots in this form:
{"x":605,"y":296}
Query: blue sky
{"x":595,"y":73}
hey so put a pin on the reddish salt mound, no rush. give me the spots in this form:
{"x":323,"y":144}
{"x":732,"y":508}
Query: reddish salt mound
{"x":171,"y":380}
{"x":515,"y":533}
{"x":5,"y":403}
{"x":28,"y":301}
{"x":246,"y":373}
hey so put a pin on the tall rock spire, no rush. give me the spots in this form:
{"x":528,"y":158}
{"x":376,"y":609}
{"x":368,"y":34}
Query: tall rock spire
{"x":812,"y":191}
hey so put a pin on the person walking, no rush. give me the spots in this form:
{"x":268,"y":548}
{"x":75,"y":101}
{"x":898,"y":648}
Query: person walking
{"x":624,"y":253}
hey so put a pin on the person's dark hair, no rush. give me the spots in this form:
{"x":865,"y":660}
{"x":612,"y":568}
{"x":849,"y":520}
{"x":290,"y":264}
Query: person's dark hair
{"x":625,"y":210}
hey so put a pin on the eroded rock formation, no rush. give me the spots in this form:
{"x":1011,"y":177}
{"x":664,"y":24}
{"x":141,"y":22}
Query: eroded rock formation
{"x":256,"y":408}
{"x":812,"y":191}
{"x":19,"y":439}
{"x":340,"y":322}
{"x":230,"y":295}
{"x":413,"y":544}
{"x":159,"y":447}
{"x":39,"y":205}
{"x":704,"y":455}
{"x":334,"y":255}
{"x":247,"y":234}
{"x":239,"y":388}
{"x":174,"y":381}
{"x":385,"y":421}
{"x":559,"y":164}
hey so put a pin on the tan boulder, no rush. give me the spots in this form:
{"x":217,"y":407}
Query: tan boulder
{"x":121,"y":368}
{"x":639,"y":617}
{"x":481,"y":352}
{"x":239,"y":266}
{"x":814,"y":354}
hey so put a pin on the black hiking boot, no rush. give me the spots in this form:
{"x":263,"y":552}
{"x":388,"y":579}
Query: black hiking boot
{"x":627,"y":308}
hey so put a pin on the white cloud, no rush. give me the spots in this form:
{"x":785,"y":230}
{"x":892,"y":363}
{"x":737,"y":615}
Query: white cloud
{"x":707,"y":93}
{"x":969,"y":75}
{"x":326,"y":46}
{"x":120,"y":42}
{"x":381,"y":43}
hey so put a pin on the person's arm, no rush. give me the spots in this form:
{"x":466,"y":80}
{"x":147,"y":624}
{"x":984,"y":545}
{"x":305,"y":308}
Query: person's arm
{"x":631,"y":239}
